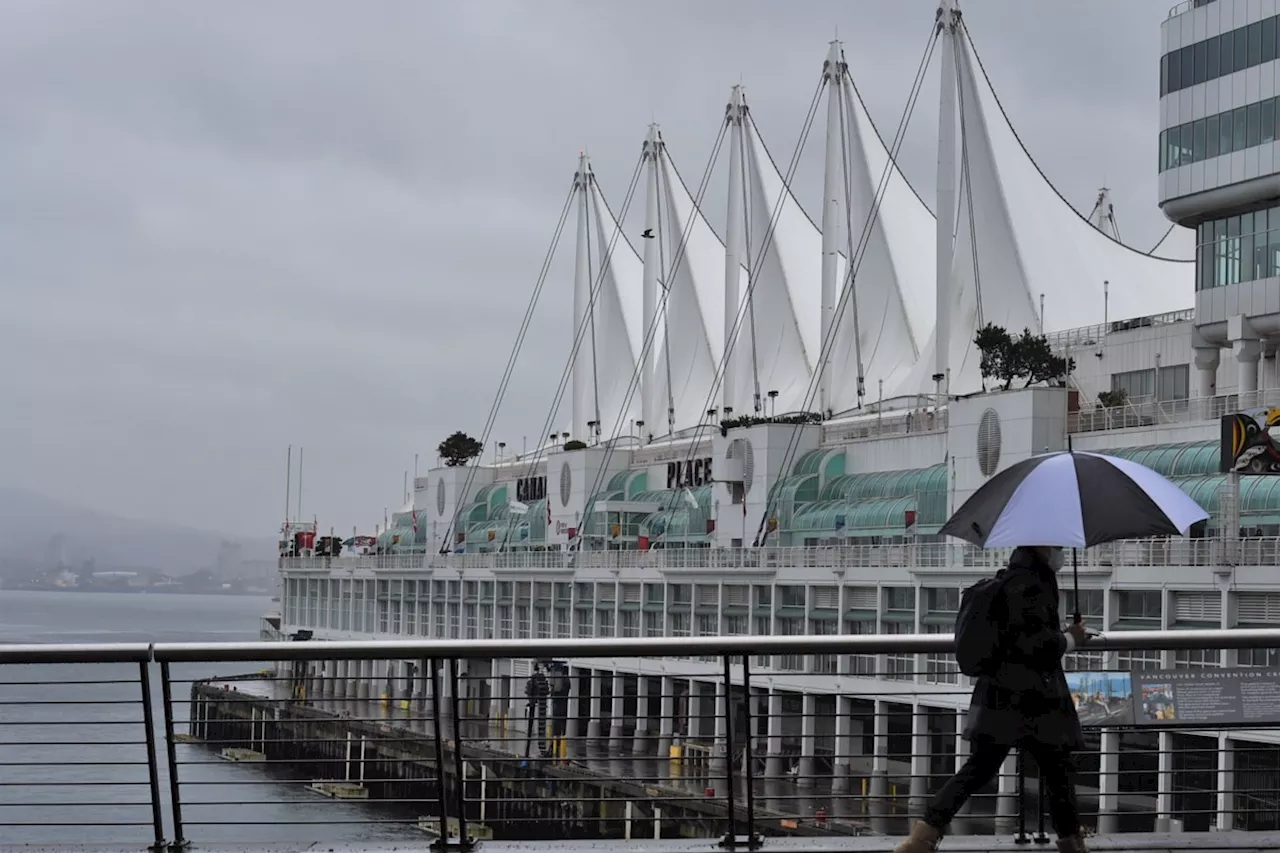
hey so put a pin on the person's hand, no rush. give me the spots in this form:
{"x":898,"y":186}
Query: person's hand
{"x":1079,"y":633}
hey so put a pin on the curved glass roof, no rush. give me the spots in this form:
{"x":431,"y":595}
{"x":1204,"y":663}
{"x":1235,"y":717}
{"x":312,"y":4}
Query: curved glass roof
{"x":1174,"y":460}
{"x":876,"y":517}
{"x":886,"y":484}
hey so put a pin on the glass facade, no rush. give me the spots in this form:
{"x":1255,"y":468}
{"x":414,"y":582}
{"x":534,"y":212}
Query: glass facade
{"x":1219,"y":56}
{"x":1234,"y":249}
{"x":1224,"y":133}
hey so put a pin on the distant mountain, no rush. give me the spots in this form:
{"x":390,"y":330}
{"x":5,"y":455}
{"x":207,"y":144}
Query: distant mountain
{"x":33,"y":527}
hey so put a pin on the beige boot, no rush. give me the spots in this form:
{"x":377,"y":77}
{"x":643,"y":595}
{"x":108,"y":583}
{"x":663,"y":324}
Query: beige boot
{"x":923,"y":839}
{"x":1074,"y":844}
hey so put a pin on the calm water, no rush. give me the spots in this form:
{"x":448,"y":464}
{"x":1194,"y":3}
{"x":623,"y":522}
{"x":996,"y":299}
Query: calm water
{"x":46,"y":749}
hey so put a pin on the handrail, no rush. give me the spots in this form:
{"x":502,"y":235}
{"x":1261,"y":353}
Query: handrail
{"x":599,"y":647}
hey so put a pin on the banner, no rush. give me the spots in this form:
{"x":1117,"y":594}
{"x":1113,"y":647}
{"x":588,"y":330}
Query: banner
{"x":1103,"y":698}
{"x":1207,"y":697}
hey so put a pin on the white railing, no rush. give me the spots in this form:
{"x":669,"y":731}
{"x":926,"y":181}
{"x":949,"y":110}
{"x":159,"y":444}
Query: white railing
{"x":1151,"y":411}
{"x":888,"y":423}
{"x":1095,"y":334}
{"x":1262,"y":551}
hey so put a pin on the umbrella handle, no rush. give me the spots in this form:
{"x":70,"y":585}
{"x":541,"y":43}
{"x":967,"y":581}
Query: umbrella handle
{"x":1075,"y":578}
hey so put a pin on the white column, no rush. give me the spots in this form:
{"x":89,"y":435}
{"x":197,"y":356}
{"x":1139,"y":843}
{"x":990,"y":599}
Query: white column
{"x":1207,"y":361}
{"x":582,"y":367}
{"x":735,"y":228}
{"x":842,"y":771}
{"x":640,"y":735}
{"x":946,"y":205}
{"x":918,"y":789}
{"x":1109,"y":782}
{"x":1248,"y":353}
{"x":572,"y":739}
{"x":1226,"y":783}
{"x":775,"y":769}
{"x":652,"y":272}
{"x":618,"y":750}
{"x":719,"y":749}
{"x":832,"y":215}
{"x":1164,"y":783}
{"x":808,"y":739}
{"x":666,"y":723}
{"x":879,"y":783}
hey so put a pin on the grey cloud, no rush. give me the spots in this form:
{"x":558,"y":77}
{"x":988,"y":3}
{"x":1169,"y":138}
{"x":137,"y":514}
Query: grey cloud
{"x":225,"y":229}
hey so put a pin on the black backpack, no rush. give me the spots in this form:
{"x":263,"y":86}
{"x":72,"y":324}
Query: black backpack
{"x":978,"y":627}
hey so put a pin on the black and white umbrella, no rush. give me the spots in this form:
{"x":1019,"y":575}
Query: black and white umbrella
{"x":1073,"y":499}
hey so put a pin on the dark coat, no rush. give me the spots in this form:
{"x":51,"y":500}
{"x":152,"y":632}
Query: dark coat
{"x":1027,"y":699}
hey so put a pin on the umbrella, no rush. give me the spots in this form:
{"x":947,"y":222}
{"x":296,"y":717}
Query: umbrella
{"x":1073,"y":499}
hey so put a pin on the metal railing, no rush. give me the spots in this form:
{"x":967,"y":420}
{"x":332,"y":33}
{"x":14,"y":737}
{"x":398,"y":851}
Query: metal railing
{"x":1177,"y":551}
{"x":454,"y":741}
{"x":1150,"y":410}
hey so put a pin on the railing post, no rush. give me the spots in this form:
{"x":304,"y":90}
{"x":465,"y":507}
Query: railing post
{"x":153,"y":770}
{"x":437,"y":733}
{"x":731,"y":830}
{"x":171,"y":752}
{"x":464,"y":840}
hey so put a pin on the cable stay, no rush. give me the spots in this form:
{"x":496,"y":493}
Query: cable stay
{"x":973,"y":49}
{"x":659,"y":316}
{"x":581,"y":183}
{"x":505,"y":381}
{"x":853,"y":263}
{"x":753,"y":264}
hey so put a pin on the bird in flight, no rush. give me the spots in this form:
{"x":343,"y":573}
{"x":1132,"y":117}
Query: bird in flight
{"x":648,"y":234}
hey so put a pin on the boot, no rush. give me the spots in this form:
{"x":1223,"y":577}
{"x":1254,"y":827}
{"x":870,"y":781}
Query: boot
{"x":1072,"y":844}
{"x":925,"y":839}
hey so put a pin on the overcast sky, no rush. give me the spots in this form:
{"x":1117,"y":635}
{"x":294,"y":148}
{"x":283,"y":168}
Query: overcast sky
{"x":230,"y":227}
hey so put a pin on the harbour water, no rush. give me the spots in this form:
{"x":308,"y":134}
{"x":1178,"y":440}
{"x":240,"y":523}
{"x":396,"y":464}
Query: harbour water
{"x":76,"y":773}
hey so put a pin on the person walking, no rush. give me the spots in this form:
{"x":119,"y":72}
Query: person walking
{"x":1020,"y":699}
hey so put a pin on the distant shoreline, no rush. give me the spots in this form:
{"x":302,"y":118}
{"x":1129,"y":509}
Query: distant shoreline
{"x":148,"y":591}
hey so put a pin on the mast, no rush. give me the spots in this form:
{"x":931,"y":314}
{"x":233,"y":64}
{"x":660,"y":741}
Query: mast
{"x":948,"y":18}
{"x":581,"y":302}
{"x":832,"y":219}
{"x":288,"y":483}
{"x":652,"y":273}
{"x":298,"y":508}
{"x":733,"y":247}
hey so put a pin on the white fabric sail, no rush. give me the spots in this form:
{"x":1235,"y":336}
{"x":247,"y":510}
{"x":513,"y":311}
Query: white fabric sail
{"x":689,"y":342}
{"x":779,"y":338}
{"x":894,"y":279}
{"x":1017,"y":238}
{"x":616,"y":326}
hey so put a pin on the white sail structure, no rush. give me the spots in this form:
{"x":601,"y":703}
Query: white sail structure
{"x":688,"y":342}
{"x":1017,"y":240}
{"x":894,"y":279}
{"x":608,"y":310}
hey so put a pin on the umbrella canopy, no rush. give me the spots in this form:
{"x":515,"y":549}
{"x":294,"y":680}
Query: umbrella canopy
{"x":1073,"y":499}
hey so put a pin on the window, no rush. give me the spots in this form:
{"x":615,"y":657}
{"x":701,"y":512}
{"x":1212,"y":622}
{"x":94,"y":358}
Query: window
{"x":1241,"y":248}
{"x":1140,"y":605}
{"x":1211,"y":137}
{"x":1135,"y":384}
{"x":1209,"y":59}
{"x":1174,"y":382}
